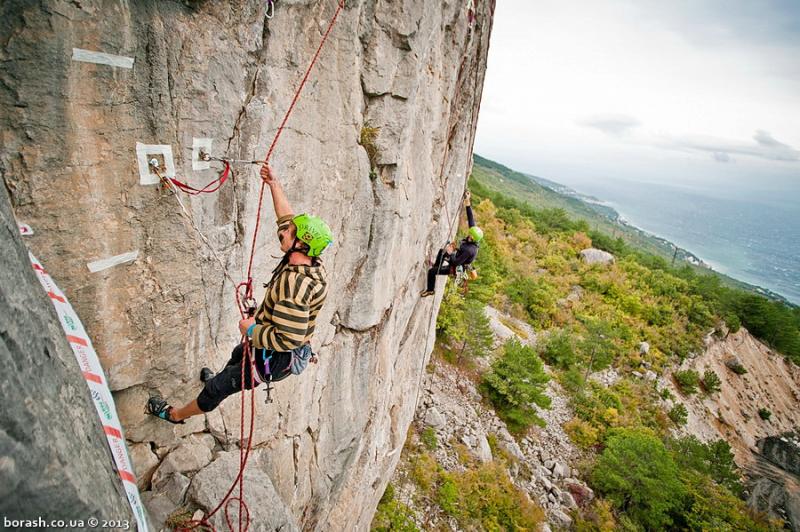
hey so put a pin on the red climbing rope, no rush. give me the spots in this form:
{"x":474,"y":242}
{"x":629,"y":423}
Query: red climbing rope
{"x":244,"y":296}
{"x":213,"y":186}
{"x":249,"y":281}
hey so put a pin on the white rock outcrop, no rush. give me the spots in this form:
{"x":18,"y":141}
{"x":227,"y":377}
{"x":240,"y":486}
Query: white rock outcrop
{"x":596,"y":256}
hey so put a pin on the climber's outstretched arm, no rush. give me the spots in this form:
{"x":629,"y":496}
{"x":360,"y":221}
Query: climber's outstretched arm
{"x":468,"y":208}
{"x":279,"y":199}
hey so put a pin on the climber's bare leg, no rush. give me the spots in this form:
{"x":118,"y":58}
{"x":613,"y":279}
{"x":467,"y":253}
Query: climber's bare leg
{"x":185,"y":412}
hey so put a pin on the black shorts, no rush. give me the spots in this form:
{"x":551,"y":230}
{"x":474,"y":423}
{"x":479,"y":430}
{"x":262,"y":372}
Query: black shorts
{"x":229,"y":381}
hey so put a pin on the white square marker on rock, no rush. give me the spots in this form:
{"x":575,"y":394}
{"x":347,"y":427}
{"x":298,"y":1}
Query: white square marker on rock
{"x":145,"y":152}
{"x":198,"y":145}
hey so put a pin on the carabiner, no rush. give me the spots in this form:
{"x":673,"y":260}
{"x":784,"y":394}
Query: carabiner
{"x":270,"y":9}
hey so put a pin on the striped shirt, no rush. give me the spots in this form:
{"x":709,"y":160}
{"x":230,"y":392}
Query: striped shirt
{"x":287,"y":316}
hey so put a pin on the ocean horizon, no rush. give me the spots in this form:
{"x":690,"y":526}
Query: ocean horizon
{"x":750,"y":235}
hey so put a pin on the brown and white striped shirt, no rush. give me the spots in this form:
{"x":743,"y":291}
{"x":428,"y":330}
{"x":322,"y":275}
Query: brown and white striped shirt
{"x":287,"y":316}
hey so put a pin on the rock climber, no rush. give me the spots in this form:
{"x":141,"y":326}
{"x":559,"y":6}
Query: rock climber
{"x":448,"y":259}
{"x":281,"y":329}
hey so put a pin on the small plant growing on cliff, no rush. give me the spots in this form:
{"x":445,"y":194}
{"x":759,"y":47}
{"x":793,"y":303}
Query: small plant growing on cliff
{"x":764,"y":414}
{"x":688,"y":380}
{"x":428,"y":438}
{"x":711,"y":382}
{"x":736,"y":367}
{"x":678,"y":414}
{"x":367,"y":139}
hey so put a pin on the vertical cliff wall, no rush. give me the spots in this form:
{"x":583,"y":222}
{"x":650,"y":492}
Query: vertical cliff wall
{"x":411,"y":69}
{"x":54,"y":462}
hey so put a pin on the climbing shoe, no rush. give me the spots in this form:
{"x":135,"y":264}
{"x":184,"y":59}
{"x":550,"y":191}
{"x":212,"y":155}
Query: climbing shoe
{"x":206,"y":374}
{"x":156,"y":406}
{"x":426,"y":293}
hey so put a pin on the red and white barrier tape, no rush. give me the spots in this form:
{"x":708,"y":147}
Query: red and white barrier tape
{"x":98,"y":388}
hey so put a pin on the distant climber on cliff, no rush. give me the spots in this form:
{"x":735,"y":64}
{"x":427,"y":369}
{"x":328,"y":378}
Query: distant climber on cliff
{"x":448,"y":260}
{"x":281,"y":329}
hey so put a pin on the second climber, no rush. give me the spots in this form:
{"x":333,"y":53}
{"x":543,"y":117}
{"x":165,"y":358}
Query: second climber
{"x":449,"y":259}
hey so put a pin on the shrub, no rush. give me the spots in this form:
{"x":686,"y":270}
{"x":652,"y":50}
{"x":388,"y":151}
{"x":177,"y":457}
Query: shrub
{"x":599,"y":517}
{"x":736,"y":367}
{"x":687,"y":380}
{"x":516,"y":381}
{"x":713,"y":459}
{"x":536,"y":296}
{"x":713,"y":507}
{"x":559,"y":350}
{"x":486,"y":499}
{"x":392,"y":515}
{"x":424,"y":471}
{"x":367,"y":139}
{"x":764,"y":414}
{"x":428,"y":438}
{"x":678,"y":414}
{"x":582,"y":432}
{"x":711,"y":382}
{"x":637,"y":474}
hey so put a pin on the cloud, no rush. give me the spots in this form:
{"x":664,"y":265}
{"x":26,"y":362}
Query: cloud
{"x":766,"y":140}
{"x":765,"y":147}
{"x":614,"y":125}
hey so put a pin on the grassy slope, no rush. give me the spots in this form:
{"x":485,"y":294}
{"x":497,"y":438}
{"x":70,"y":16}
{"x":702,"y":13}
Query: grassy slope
{"x":540,"y":193}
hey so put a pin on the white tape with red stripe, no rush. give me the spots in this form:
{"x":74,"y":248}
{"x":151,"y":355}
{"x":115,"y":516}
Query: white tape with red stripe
{"x":98,"y":388}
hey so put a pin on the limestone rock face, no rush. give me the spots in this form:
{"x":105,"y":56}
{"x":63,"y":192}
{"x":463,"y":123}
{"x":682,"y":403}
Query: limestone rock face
{"x":267,"y":510}
{"x":411,"y":71}
{"x":52,"y":446}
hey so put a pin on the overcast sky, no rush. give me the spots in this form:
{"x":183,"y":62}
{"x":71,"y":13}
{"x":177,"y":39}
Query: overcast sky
{"x":679,"y":91}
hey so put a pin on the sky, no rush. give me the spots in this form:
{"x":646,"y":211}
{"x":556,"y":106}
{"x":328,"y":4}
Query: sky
{"x":695,"y":93}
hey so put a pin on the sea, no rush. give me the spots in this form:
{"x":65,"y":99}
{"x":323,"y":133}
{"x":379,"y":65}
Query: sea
{"x":749,"y":233}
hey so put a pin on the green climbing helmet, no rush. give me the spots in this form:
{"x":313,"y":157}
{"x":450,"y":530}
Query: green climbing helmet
{"x":314,"y":232}
{"x":476,"y":233}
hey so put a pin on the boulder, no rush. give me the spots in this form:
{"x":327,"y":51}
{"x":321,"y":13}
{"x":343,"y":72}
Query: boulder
{"x":434,"y":419}
{"x":210,"y":485}
{"x":568,"y":501}
{"x":185,"y":458}
{"x":173,"y":487}
{"x":158,"y":508}
{"x":560,"y":470}
{"x":596,"y":256}
{"x":560,"y":519}
{"x":483,"y":451}
{"x":144,"y":461}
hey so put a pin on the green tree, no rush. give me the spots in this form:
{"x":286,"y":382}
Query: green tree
{"x":688,"y":380}
{"x":678,"y":414}
{"x":516,"y":381}
{"x":713,"y":459}
{"x":711,"y":382}
{"x":559,"y":349}
{"x":713,"y":507}
{"x":639,"y":476}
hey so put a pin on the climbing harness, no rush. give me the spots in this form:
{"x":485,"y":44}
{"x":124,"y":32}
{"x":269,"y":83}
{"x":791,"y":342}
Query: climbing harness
{"x":463,"y":275}
{"x":246,"y":304}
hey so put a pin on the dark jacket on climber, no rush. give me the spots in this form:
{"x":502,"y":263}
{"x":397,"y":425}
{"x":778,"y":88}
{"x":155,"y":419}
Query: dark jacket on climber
{"x":449,"y":258}
{"x":280,"y":331}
